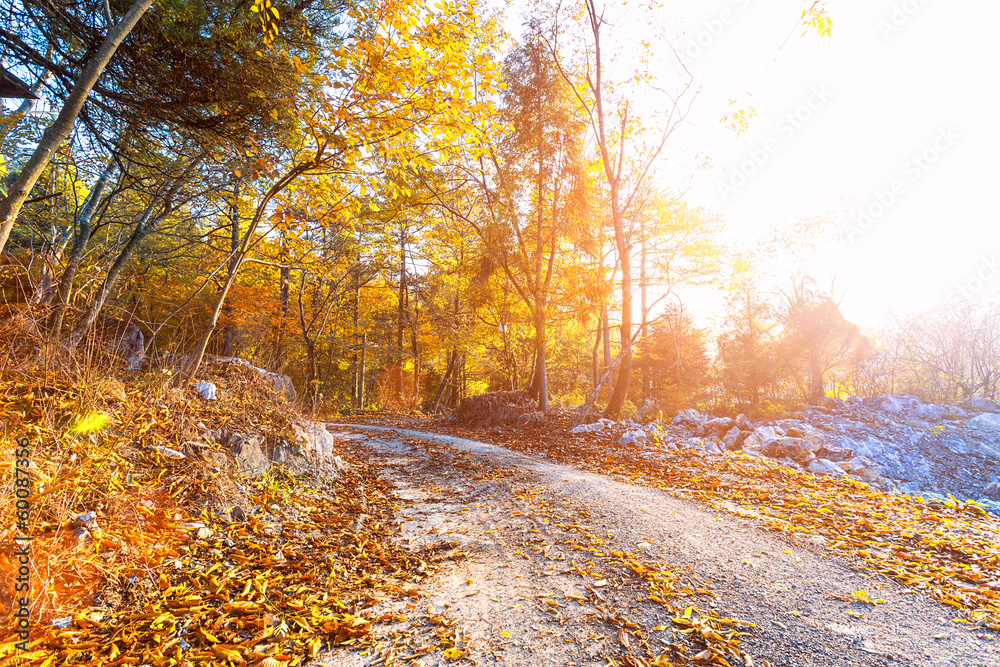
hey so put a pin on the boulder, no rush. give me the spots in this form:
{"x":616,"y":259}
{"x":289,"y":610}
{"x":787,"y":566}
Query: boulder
{"x":980,"y":405}
{"x":206,"y":389}
{"x":588,"y":428}
{"x":992,"y":490}
{"x":834,"y":453}
{"x":714,"y":428}
{"x":689,"y":417}
{"x":249,"y":453}
{"x":743,"y":423}
{"x":633,"y":437}
{"x":754,"y":443}
{"x":890,"y":404}
{"x":314,"y":438}
{"x":825,"y":467}
{"x":789,"y":448}
{"x":733,"y":439}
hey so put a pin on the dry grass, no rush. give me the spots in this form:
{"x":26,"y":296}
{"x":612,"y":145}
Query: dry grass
{"x":92,"y":428}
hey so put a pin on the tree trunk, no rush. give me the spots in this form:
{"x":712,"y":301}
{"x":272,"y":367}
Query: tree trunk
{"x":597,"y":348}
{"x":644,"y":392}
{"x":416,"y":358}
{"x":57,"y":133}
{"x":83,"y":230}
{"x":230,"y":335}
{"x":401,"y":298}
{"x":93,"y":309}
{"x":620,"y":393}
{"x":540,"y":383}
{"x":361,"y":372}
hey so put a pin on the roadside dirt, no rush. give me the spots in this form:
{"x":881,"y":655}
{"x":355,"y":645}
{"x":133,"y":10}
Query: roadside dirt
{"x":555,"y":566}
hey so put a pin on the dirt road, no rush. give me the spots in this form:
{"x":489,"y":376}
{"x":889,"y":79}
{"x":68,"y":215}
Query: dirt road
{"x":554,"y":566}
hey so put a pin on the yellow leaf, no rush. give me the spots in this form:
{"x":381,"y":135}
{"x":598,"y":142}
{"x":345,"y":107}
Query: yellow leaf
{"x":453,"y":653}
{"x":505,"y":634}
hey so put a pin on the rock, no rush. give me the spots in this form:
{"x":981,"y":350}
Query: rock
{"x":834,"y":453}
{"x":122,"y":339}
{"x":712,"y":448}
{"x":980,"y":405}
{"x":794,"y":432}
{"x":206,"y":389}
{"x":339,"y":462}
{"x":931,"y":412}
{"x":633,"y":437}
{"x":204,"y":533}
{"x":588,"y":428}
{"x":754,"y":443}
{"x":863,"y":468}
{"x":169,"y":453}
{"x":992,"y":490}
{"x":249,"y":453}
{"x":689,"y":417}
{"x":713,"y":428}
{"x":314,"y":437}
{"x":788,"y":448}
{"x":890,"y":404}
{"x":238,"y":514}
{"x":743,"y":423}
{"x":734,"y":438}
{"x":825,"y":467}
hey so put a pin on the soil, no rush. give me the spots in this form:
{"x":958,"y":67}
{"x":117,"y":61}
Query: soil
{"x":555,"y":566}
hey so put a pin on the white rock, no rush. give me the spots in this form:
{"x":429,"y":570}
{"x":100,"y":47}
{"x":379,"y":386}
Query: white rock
{"x":588,"y":428}
{"x":824,"y":467}
{"x":206,"y":389}
{"x":170,"y":453}
{"x":636,"y":436}
{"x":890,"y":404}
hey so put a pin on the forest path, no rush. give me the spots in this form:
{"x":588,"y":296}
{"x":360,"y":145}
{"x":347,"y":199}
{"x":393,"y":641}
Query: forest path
{"x":556,"y":566}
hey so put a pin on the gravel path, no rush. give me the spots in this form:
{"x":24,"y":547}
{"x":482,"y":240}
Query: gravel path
{"x":542,"y":574}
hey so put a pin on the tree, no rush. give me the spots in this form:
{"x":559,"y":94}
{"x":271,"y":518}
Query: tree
{"x":746,"y":348}
{"x":815,"y":334}
{"x":54,"y":137}
{"x":627,"y":160}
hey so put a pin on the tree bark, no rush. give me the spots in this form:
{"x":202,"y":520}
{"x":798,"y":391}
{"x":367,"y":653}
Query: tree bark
{"x":83,"y":231}
{"x":57,"y":133}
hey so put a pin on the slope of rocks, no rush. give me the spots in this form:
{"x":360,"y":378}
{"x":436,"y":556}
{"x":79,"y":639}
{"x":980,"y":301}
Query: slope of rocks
{"x":896,"y":443}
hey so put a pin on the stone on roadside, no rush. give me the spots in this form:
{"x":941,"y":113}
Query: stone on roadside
{"x":206,"y":389}
{"x":595,"y":427}
{"x":714,"y":428}
{"x":633,"y":437}
{"x":733,"y":438}
{"x":825,"y":467}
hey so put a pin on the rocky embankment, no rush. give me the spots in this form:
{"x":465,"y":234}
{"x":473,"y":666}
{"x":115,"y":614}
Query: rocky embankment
{"x":896,"y":443}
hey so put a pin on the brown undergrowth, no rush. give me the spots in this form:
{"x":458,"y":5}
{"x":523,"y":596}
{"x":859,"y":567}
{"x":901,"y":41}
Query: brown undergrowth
{"x":133,"y":557}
